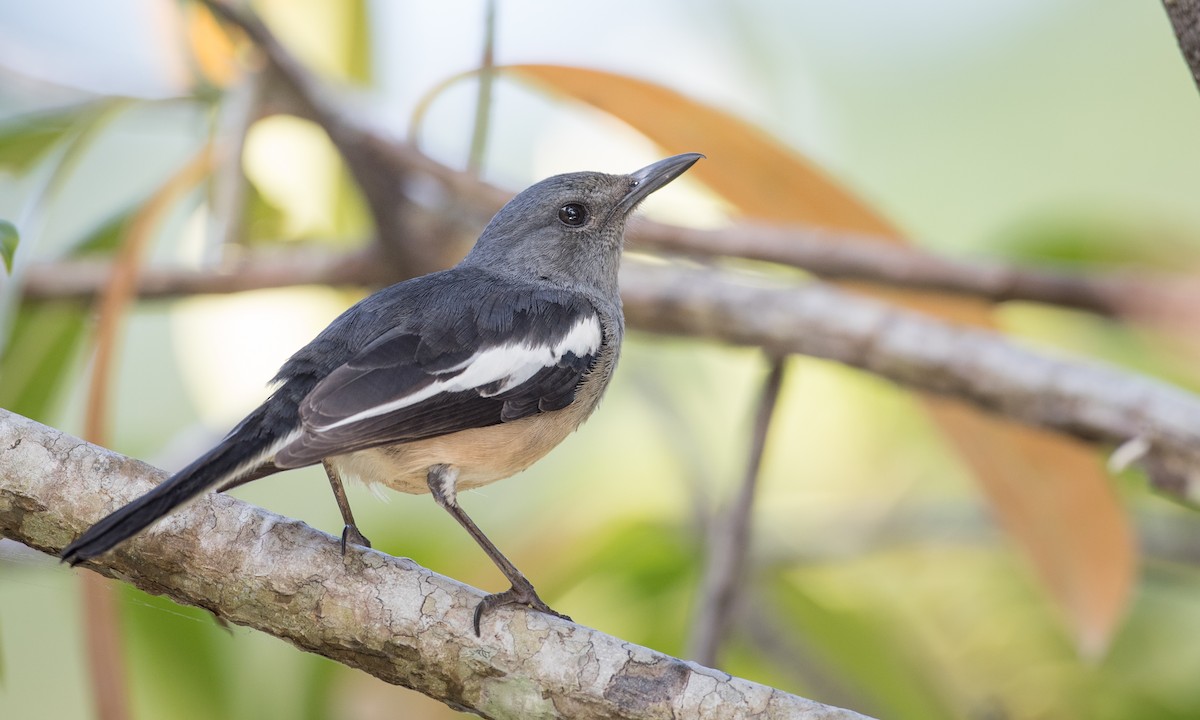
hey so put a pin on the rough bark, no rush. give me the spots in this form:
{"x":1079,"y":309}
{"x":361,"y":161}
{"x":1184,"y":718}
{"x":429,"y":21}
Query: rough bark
{"x":384,"y":615}
{"x":1185,"y":20}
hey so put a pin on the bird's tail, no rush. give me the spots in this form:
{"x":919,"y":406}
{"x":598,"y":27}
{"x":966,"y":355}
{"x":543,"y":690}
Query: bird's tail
{"x":244,"y":449}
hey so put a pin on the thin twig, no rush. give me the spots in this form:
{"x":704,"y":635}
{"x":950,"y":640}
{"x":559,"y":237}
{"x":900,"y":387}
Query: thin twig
{"x":104,"y":648}
{"x":228,"y":190}
{"x":121,"y":286}
{"x":729,"y":537}
{"x":483,"y":99}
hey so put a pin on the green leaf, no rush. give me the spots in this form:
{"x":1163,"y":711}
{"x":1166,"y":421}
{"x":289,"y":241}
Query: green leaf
{"x":24,"y":140}
{"x":866,"y":654}
{"x":181,"y":653}
{"x":104,"y":238}
{"x":1090,"y":243}
{"x":263,"y":221}
{"x":45,"y":337}
{"x":9,"y":237}
{"x":39,"y":352}
{"x":651,"y":565}
{"x":358,"y":42}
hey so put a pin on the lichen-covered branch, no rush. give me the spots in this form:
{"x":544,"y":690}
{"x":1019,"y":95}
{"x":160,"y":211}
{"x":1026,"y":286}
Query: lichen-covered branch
{"x":384,"y":615}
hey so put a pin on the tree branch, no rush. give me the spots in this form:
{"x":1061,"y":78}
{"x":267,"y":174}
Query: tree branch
{"x":849,"y":256}
{"x":83,"y":279}
{"x":387,"y":616}
{"x":1092,"y":402}
{"x":427,"y":215}
{"x":1089,"y":401}
{"x":828,"y":255}
{"x":728,"y":541}
{"x":1185,"y":20}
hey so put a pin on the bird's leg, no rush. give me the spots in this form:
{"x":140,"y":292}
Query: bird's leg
{"x":441,"y":479}
{"x":350,"y":532}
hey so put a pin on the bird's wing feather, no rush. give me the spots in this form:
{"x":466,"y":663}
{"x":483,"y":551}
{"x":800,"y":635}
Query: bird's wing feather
{"x":468,"y":369}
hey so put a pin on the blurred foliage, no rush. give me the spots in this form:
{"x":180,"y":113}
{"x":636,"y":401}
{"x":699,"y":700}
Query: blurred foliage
{"x":879,"y":578}
{"x":1095,"y":243}
{"x":42,"y":344}
{"x":26,"y":139}
{"x":9,"y":237}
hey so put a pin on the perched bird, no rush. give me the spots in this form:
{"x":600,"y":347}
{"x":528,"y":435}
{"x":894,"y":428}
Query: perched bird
{"x":448,"y":381}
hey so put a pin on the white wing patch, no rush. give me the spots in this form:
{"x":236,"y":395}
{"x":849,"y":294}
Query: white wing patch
{"x":509,"y":365}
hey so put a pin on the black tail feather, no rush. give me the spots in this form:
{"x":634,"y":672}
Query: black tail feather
{"x":236,"y":454}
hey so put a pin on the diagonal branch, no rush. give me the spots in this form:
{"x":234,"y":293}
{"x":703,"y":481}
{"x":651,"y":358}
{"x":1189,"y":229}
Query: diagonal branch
{"x":1089,"y":401}
{"x":387,"y":616}
{"x":728,"y":544}
{"x":1185,"y":21}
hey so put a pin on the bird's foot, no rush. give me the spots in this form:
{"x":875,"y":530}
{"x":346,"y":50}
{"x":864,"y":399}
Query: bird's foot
{"x":518,"y":594}
{"x":350,"y":534}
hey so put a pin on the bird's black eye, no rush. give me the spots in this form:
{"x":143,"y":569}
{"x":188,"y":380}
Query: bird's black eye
{"x":572,"y":214}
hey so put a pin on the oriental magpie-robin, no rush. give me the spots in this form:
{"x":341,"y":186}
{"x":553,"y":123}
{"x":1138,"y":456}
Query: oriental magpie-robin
{"x":447,"y":381}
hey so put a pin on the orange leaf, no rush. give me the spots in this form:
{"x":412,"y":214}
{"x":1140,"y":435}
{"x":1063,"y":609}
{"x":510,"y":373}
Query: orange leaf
{"x":1051,"y":494}
{"x":212,"y":48}
{"x":745,"y":165}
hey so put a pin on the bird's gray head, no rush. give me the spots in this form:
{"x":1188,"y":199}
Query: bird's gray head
{"x":569,"y":229}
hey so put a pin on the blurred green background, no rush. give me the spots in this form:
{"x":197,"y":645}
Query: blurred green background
{"x":1058,"y":131}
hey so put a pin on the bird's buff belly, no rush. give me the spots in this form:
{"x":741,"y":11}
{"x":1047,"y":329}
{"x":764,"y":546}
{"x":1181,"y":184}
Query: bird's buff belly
{"x":481,"y":455}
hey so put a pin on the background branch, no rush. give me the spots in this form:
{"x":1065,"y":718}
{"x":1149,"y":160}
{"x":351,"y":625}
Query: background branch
{"x":728,"y":541}
{"x":826,"y":254}
{"x":850,"y":256}
{"x":387,"y":616}
{"x":1088,"y":401}
{"x":427,"y":215}
{"x":885,"y":521}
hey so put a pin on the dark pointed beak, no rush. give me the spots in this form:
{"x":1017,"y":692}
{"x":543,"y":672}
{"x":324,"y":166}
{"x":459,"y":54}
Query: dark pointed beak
{"x":652,"y":177}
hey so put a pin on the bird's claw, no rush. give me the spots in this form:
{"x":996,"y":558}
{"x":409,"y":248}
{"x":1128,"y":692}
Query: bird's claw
{"x":515,"y":595}
{"x":351,"y":535}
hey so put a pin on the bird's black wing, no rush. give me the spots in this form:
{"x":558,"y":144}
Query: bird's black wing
{"x":514,"y":354}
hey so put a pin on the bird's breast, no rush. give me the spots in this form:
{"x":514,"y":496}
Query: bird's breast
{"x":481,"y":455}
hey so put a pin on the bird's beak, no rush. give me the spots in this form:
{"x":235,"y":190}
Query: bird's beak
{"x":652,"y":177}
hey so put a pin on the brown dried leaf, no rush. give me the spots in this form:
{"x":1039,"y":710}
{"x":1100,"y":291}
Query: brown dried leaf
{"x":1051,"y":494}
